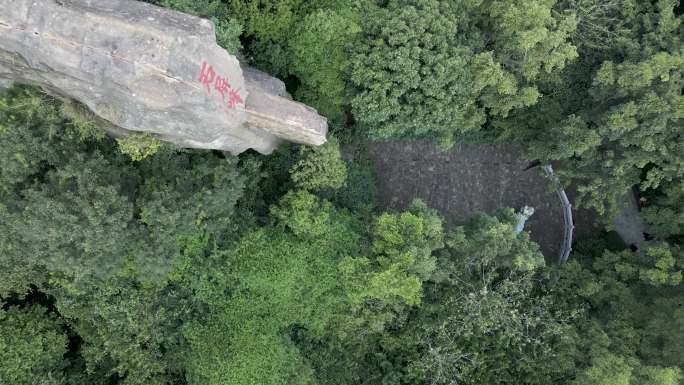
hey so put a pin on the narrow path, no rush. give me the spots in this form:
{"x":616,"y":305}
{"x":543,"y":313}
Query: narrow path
{"x":629,"y":224}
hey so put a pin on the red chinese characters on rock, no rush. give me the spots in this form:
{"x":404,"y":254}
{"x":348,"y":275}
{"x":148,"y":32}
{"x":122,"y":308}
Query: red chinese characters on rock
{"x":213,"y":81}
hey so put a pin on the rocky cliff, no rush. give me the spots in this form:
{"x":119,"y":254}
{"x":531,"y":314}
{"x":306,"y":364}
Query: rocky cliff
{"x":149,"y":69}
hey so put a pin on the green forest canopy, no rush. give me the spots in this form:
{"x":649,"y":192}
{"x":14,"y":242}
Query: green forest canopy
{"x":132,"y":262}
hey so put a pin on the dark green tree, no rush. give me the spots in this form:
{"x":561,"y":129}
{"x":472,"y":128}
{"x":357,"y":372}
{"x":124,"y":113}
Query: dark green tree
{"x":319,"y":52}
{"x":320,"y":168}
{"x":629,"y":331}
{"x":485,"y":320}
{"x":665,"y":214}
{"x":131,"y":331}
{"x":437,"y":69}
{"x":614,"y":117}
{"x":107,"y":238}
{"x":32,"y":347}
{"x":274,"y":280}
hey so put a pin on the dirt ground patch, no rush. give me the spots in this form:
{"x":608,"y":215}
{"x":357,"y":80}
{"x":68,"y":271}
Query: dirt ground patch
{"x":466,"y":180}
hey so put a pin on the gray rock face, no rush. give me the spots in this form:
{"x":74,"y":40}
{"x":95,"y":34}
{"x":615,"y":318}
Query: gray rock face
{"x":149,"y":69}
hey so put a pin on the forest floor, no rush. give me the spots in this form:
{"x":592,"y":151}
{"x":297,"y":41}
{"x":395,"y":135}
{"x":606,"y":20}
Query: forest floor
{"x":466,"y":180}
{"x":470,"y":179}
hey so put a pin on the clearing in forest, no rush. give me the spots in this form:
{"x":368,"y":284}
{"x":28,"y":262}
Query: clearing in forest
{"x":466,"y":180}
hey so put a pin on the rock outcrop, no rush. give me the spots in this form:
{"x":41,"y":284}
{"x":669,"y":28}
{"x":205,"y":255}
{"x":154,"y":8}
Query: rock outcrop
{"x":149,"y":69}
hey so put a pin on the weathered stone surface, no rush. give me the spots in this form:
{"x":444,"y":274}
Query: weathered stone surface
{"x":149,"y":69}
{"x":259,"y":80}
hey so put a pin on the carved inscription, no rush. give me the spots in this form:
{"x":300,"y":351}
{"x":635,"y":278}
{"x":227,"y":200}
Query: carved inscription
{"x":213,"y":81}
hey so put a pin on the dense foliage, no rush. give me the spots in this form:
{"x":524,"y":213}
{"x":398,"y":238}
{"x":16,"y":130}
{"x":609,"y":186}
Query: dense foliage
{"x":632,"y":315}
{"x":132,"y":262}
{"x":438,"y":69}
{"x":32,"y":346}
{"x":615,"y":114}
